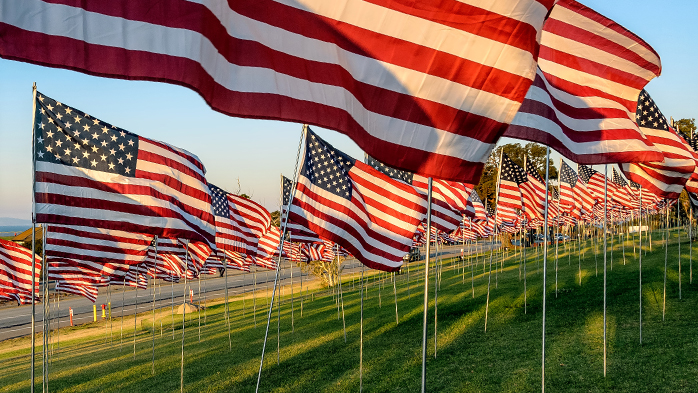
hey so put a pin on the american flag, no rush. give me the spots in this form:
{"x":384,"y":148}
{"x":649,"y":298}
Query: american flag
{"x":594,"y":182}
{"x":449,"y":199}
{"x":91,"y":173}
{"x":228,"y":236}
{"x":423,"y":87}
{"x":475,"y":208}
{"x":582,"y":102}
{"x":88,"y":291}
{"x":251,"y":219}
{"x":297,"y":254}
{"x":16,"y":272}
{"x":83,"y":280}
{"x":569,"y":202}
{"x":105,"y":252}
{"x":622,"y":194}
{"x":533,"y":193}
{"x":348,"y":202}
{"x":296,"y":232}
{"x":268,"y":249}
{"x":665,"y":177}
{"x":511,"y":176}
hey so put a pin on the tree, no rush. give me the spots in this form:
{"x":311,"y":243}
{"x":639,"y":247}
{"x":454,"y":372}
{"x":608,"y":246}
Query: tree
{"x":686,"y":126}
{"x":276,"y":219}
{"x":534,"y":153}
{"x":326,"y":271}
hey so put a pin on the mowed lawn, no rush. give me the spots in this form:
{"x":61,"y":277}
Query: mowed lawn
{"x":314,"y":356}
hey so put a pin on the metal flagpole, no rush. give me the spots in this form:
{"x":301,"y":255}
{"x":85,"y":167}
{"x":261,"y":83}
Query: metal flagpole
{"x":135,"y":312}
{"x":496,"y":212}
{"x":254,"y":297}
{"x":293,"y":329}
{"x":557,"y":219}
{"x":690,"y":245}
{"x":605,"y":230}
{"x":341,"y":295}
{"x":666,"y":256}
{"x":227,"y":304}
{"x":123,"y":305}
{"x":198,"y":306}
{"x":545,"y":261}
{"x":678,"y":233}
{"x":436,"y":294}
{"x":46,"y":318}
{"x":426,"y":290}
{"x":184,"y":313}
{"x":397,"y":320}
{"x":361,"y":348}
{"x":472,"y":267}
{"x":640,"y":263}
{"x":33,"y":294}
{"x":155,"y":269}
{"x":281,"y":247}
{"x":172,"y":305}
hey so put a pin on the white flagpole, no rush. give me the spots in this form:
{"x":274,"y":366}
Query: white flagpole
{"x":678,"y":233}
{"x":341,"y":294}
{"x":361,"y":349}
{"x":227,"y":304}
{"x":184,"y":313}
{"x":135,"y":313}
{"x":496,"y":212}
{"x":46,"y":317}
{"x":605,"y":230}
{"x":283,"y":223}
{"x":545,"y":261}
{"x":557,"y":222}
{"x":666,"y":256}
{"x":436,"y":293}
{"x":426,"y":291}
{"x":155,"y":269}
{"x":640,"y":263}
{"x":33,"y":294}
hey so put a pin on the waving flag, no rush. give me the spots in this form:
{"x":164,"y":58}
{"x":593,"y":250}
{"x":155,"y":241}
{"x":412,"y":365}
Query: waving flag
{"x":622,"y":194}
{"x":570,"y":203}
{"x":594,"y":182}
{"x":426,"y":87}
{"x":297,"y":232}
{"x":533,"y":193}
{"x":510,"y":178}
{"x":91,"y":173}
{"x":228,"y":235}
{"x":582,"y":102}
{"x":350,"y":203}
{"x":449,"y":199}
{"x":666,"y":177}
{"x":475,"y":209}
{"x":16,"y":272}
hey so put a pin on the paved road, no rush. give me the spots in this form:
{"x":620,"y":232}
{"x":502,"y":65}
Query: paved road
{"x":16,"y":321}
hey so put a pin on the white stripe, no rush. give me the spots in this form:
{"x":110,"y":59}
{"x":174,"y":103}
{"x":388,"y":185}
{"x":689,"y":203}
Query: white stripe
{"x":138,"y":36}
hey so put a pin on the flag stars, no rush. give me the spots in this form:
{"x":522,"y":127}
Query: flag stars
{"x":40,"y":140}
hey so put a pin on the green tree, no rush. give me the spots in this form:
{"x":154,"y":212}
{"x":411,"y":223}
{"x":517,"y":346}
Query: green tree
{"x":276,"y":219}
{"x":686,"y":126}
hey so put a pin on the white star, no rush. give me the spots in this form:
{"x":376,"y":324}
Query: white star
{"x":93,"y":163}
{"x":128,"y":156}
{"x":85,"y":154}
{"x":111,"y":166}
{"x":121,"y":161}
{"x":41,"y":154}
{"x":49,"y":148}
{"x":42,"y":125}
{"x":123,"y":134}
{"x":127,"y":170}
{"x":68,"y":125}
{"x":105,"y":130}
{"x":121,"y":147}
{"x":49,"y":107}
{"x":112,"y":152}
{"x":94,"y":149}
{"x":67,"y":152}
{"x":75,"y":160}
{"x":104,"y":158}
{"x":68,"y":110}
{"x":95,"y":121}
{"x":130,"y":142}
{"x":77,"y":119}
{"x":95,"y":136}
{"x":40,"y":140}
{"x":113,"y":138}
{"x":86,"y":127}
{"x":59,"y":142}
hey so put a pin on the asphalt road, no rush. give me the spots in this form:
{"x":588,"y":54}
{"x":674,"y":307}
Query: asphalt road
{"x":15,"y":321}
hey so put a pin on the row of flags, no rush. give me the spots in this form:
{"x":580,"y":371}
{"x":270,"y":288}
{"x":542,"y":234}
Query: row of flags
{"x":427,"y":89}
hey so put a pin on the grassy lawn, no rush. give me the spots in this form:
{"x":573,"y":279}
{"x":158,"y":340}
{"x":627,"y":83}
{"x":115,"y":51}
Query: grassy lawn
{"x":507,"y":358}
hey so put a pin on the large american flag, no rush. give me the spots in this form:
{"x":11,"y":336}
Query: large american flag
{"x":16,"y":272}
{"x":449,"y":199}
{"x":666,"y":177}
{"x":582,"y":102}
{"x":91,"y":173}
{"x":350,"y":203}
{"x":427,"y":87}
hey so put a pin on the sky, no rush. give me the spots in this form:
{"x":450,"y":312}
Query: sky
{"x":248,"y":156}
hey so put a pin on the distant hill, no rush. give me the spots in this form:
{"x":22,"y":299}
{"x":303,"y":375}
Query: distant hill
{"x":9,"y":221}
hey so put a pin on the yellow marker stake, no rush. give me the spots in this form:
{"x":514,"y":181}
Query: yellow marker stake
{"x":94,"y":313}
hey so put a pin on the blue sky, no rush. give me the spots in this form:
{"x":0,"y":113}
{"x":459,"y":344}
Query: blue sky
{"x":256,"y":152}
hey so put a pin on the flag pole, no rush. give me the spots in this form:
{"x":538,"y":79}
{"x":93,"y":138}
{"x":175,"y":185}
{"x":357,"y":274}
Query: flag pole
{"x":640,"y":263}
{"x":227,"y":304}
{"x":341,"y":294}
{"x":605,"y":230}
{"x":184,"y":313}
{"x":678,"y":234}
{"x":557,"y":220}
{"x":361,"y":348}
{"x":426,"y":290}
{"x":33,"y":294}
{"x":283,"y":223}
{"x":155,"y":269}
{"x":494,"y":233}
{"x":46,"y":317}
{"x":436,"y":293}
{"x":666,"y":255}
{"x":472,"y":268}
{"x":545,"y":260}
{"x":135,"y":313}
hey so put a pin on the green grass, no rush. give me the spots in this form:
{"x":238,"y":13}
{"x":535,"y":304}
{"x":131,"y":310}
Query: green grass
{"x":506,"y":358}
